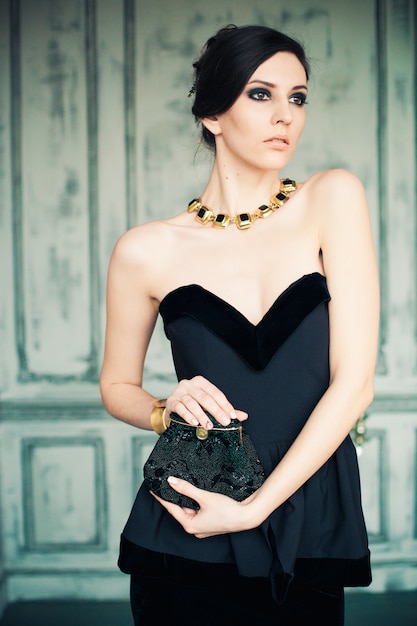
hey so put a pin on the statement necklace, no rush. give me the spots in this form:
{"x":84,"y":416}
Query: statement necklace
{"x":204,"y":215}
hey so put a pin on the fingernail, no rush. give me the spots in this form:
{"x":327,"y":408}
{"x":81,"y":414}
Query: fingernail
{"x":209,"y":425}
{"x":232,"y":414}
{"x":194,"y":421}
{"x":172,"y":480}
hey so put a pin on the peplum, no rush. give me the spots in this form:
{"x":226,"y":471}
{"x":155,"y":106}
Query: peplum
{"x":276,"y":371}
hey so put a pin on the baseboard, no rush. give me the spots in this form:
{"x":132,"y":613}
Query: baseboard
{"x":62,"y":586}
{"x":3,"y":595}
{"x":387,"y":577}
{"x":84,"y":585}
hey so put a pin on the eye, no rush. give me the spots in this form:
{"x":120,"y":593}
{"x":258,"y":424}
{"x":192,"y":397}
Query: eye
{"x":299,"y":99}
{"x":259,"y":94}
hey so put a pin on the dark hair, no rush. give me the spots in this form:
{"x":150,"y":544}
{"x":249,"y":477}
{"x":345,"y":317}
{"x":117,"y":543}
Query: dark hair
{"x":228,"y":60}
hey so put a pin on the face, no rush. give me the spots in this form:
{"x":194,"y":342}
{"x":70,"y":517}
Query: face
{"x":263,"y":126}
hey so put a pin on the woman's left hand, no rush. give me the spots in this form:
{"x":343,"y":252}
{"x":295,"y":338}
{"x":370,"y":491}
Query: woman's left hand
{"x":217,"y":515}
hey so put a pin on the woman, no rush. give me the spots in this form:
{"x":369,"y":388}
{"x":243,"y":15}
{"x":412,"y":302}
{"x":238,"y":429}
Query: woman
{"x":274,"y":320}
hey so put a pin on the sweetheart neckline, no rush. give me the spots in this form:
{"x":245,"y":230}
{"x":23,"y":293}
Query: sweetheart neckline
{"x":227,"y":304}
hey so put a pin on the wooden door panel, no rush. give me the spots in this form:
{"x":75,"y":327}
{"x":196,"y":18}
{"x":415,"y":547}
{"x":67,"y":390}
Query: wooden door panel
{"x":96,"y":135}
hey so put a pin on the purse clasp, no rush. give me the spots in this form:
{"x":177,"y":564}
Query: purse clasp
{"x":201,"y":433}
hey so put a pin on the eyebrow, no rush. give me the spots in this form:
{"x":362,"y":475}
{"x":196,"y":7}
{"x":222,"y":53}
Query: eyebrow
{"x":272,"y":85}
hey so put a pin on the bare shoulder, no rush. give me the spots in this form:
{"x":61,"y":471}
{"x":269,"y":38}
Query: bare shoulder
{"x":140,"y":256}
{"x":336,"y":197}
{"x":335,"y":189}
{"x":336,"y":180}
{"x":142,"y":244}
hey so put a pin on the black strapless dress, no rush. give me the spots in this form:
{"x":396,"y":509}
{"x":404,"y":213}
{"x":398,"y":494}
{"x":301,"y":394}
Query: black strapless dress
{"x":276,"y":371}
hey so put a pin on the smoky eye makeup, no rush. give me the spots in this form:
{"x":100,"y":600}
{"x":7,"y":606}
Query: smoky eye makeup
{"x":299,"y":98}
{"x":259,"y":93}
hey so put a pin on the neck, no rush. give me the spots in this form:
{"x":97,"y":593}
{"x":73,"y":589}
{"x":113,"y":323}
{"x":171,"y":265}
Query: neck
{"x":231,"y":190}
{"x":244,"y":219}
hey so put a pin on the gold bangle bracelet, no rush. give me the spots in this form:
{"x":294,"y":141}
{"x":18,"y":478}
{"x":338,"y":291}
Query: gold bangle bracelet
{"x":158,"y":414}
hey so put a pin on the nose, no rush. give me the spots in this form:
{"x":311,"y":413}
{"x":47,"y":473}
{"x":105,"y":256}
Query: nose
{"x":282,"y":113}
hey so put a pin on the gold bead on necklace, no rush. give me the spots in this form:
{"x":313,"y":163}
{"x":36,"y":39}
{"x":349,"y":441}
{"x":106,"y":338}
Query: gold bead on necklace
{"x":205,"y":215}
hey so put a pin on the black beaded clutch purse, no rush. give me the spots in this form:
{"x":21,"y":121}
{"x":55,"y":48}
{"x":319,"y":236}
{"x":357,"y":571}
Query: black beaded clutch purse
{"x":223,"y":460}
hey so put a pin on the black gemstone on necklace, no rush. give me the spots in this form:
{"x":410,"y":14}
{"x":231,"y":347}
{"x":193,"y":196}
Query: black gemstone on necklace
{"x":243,"y":220}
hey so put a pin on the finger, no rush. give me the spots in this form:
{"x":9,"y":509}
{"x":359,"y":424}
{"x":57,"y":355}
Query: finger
{"x":181,"y":515}
{"x":190,"y":512}
{"x":194,"y":412}
{"x":193,"y":397}
{"x":185,"y":488}
{"x":189,"y":409}
{"x":178,"y":404}
{"x":213,"y":400}
{"x":184,"y":516}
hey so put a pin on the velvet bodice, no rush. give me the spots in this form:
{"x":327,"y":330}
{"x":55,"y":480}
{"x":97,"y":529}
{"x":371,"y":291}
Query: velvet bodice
{"x":276,"y":371}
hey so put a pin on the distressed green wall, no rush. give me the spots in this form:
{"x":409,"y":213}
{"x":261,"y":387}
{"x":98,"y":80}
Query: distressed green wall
{"x":93,"y":116}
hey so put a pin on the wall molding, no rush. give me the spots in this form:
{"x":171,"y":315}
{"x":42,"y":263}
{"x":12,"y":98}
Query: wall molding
{"x":70,"y":409}
{"x":106,"y":585}
{"x":92,"y":372}
{"x":130,"y":112}
{"x":381,"y":492}
{"x":382,"y":168}
{"x":394,"y":403}
{"x":414,"y":9}
{"x":25,"y":374}
{"x":33,"y":584}
{"x":3,"y":594}
{"x":415,"y":487}
{"x":99,"y":540}
{"x":43,"y":410}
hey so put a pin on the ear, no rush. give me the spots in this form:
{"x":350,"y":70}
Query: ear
{"x":212,"y":124}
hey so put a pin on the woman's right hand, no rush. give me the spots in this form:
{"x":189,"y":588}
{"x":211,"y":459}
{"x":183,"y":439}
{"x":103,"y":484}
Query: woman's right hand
{"x":193,"y":396}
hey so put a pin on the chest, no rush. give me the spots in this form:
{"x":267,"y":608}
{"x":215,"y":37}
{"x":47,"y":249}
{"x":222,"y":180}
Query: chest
{"x":248,"y":269}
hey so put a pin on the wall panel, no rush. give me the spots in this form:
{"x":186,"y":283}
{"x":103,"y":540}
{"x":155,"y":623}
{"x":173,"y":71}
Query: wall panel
{"x":67,"y":488}
{"x":373,"y":468}
{"x":96,"y":136}
{"x":397,"y":195}
{"x":53,"y":151}
{"x":64,"y":501}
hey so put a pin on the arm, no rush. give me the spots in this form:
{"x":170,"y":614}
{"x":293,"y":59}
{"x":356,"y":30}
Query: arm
{"x":131,"y":314}
{"x":350,"y":267}
{"x":352,"y":277}
{"x":133,"y":286}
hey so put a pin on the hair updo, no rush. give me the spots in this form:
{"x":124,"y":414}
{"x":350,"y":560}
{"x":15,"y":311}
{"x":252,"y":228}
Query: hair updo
{"x":228,"y":60}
